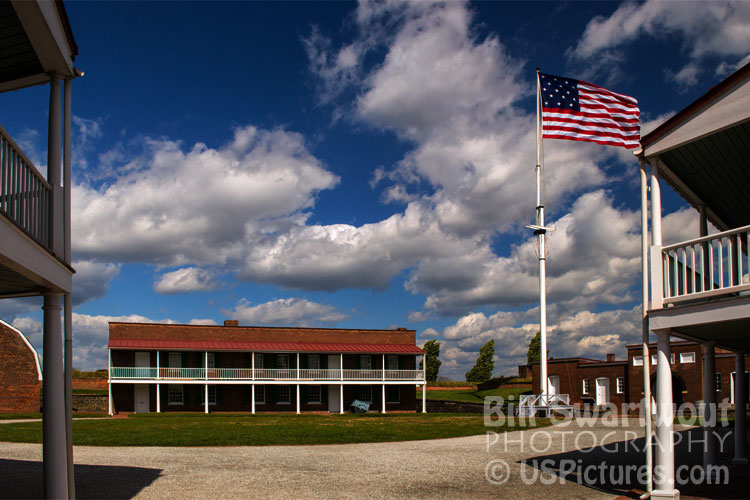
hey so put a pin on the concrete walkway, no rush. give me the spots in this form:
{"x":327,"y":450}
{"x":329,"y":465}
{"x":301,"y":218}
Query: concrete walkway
{"x":480,"y":467}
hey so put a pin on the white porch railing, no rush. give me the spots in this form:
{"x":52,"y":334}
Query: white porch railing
{"x":703,"y":267}
{"x":234,"y":374}
{"x":24,"y":193}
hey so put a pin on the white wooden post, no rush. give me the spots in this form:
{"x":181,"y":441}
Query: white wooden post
{"x":664,"y":482}
{"x":341,"y":399}
{"x":109,"y":380}
{"x":646,"y":406}
{"x":710,"y":455}
{"x":298,"y":366}
{"x":657,"y":271}
{"x":341,"y":366}
{"x":252,"y":386}
{"x":740,"y":409}
{"x":424,"y":385}
{"x":55,"y":474}
{"x":205,"y":365}
{"x":424,"y":398}
{"x":298,"y":398}
{"x":158,"y":386}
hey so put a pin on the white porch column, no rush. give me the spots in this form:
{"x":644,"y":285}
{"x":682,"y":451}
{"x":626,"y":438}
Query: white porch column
{"x":740,"y":409}
{"x":53,"y":421}
{"x":109,"y":380}
{"x":657,"y":273}
{"x":341,"y":399}
{"x":646,"y":405}
{"x":298,"y":398}
{"x":664,"y":481}
{"x":424,"y":398}
{"x":67,"y":300}
{"x":383,"y":398}
{"x":205,"y":376}
{"x":158,"y":386}
{"x":252,"y":386}
{"x":424,"y":386}
{"x":710,"y":454}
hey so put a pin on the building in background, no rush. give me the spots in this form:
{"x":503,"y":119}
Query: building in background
{"x":20,"y":372}
{"x":163,"y":367}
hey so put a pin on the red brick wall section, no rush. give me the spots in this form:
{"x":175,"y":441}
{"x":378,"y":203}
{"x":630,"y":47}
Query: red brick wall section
{"x":89,"y":383}
{"x":149,"y":331}
{"x":20,"y":386}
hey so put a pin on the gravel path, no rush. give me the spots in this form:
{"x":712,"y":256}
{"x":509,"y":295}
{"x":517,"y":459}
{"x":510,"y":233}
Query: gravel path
{"x":438,"y":469}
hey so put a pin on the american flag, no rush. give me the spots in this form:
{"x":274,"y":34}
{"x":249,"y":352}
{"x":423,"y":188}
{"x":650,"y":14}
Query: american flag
{"x":580,"y":111}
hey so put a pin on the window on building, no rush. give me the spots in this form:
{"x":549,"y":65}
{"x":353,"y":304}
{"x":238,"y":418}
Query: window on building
{"x":283,"y":395}
{"x":313,"y":362}
{"x":212,"y":394}
{"x":260,"y":394}
{"x":687,"y":357}
{"x":365,"y":393}
{"x":637,"y":360}
{"x":365,"y":363}
{"x":718,"y":381}
{"x":175,"y":393}
{"x":392,"y":363}
{"x":175,"y":360}
{"x":620,"y":385}
{"x":586,"y":386}
{"x":282,"y":361}
{"x":654,"y":359}
{"x":211,"y":360}
{"x":258,"y":359}
{"x":314,"y":394}
{"x":393,"y":394}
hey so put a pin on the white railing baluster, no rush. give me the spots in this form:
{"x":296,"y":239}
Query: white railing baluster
{"x":693,"y":270}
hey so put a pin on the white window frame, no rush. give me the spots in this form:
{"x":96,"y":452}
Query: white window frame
{"x":258,"y":360}
{"x":211,"y":394}
{"x":310,"y":358}
{"x":279,"y":364}
{"x":211,"y":360}
{"x":391,"y":363}
{"x":637,"y":360}
{"x":655,"y":357}
{"x":317,"y":401}
{"x":260,"y":394}
{"x":717,"y":381}
{"x":362,"y":389}
{"x":362,"y":363}
{"x":173,"y":391}
{"x":586,"y":386}
{"x":288,"y":394}
{"x":687,"y":357}
{"x":620,"y":385}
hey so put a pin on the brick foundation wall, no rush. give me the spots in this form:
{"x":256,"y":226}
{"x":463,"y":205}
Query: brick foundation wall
{"x":90,"y":402}
{"x":90,"y":383}
{"x":20,"y":386}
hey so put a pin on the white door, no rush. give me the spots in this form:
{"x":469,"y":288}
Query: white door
{"x":140,"y":394}
{"x":140,"y":391}
{"x":553,"y":385}
{"x":602,"y":391}
{"x":334,"y":396}
{"x":731,"y":386}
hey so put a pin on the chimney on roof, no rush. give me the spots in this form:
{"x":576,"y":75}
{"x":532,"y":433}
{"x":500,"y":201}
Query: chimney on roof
{"x":401,"y":329}
{"x":610,"y":358}
{"x":231,"y":322}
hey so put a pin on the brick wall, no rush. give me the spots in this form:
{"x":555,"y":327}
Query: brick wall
{"x":89,"y":383}
{"x":20,"y":386}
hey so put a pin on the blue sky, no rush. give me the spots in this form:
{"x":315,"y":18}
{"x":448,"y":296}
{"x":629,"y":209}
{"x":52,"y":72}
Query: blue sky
{"x":363,"y":165}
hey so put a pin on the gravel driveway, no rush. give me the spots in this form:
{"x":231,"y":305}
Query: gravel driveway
{"x":438,"y":469}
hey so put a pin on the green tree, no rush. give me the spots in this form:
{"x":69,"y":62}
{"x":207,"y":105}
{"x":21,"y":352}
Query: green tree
{"x":432,"y":354}
{"x":482,"y":369}
{"x":535,"y":348}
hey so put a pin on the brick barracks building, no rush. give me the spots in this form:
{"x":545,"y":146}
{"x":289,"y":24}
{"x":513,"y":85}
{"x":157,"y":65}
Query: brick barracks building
{"x":20,"y":373}
{"x":596,"y":382}
{"x":163,"y":367}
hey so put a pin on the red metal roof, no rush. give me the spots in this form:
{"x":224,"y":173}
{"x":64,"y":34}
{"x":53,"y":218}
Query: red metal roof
{"x":220,"y":345}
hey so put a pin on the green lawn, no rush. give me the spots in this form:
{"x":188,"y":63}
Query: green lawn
{"x":474,"y":396}
{"x":18,"y":416}
{"x":259,"y":430}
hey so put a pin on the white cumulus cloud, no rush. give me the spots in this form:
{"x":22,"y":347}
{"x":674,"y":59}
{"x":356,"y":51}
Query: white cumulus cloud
{"x":186,"y":279}
{"x":292,"y":311}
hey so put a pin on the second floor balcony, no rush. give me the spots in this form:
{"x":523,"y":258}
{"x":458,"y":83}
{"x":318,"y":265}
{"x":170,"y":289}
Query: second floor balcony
{"x":130,"y":374}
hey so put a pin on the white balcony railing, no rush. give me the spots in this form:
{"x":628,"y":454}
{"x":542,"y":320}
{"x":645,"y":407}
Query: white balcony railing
{"x":704,"y":267}
{"x":24,"y":193}
{"x":261,"y":374}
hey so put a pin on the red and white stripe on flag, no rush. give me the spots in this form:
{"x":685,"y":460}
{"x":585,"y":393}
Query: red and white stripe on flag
{"x":580,"y":111}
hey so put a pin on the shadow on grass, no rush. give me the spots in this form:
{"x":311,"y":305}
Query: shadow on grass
{"x":23,"y":479}
{"x":619,"y":468}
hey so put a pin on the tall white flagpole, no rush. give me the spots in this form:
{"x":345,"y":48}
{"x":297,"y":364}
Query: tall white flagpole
{"x":540,"y":234}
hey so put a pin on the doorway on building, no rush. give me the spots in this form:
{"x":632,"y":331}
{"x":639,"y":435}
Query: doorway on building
{"x":334,"y":390}
{"x":140,"y":391}
{"x":602,"y":391}
{"x":553,"y":385}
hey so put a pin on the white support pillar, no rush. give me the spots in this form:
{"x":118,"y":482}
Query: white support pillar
{"x":67,"y":300}
{"x":158,"y":386}
{"x":205,"y":375}
{"x":646,"y":405}
{"x":710,"y":453}
{"x":424,"y":398}
{"x":53,"y":421}
{"x":109,"y":381}
{"x":298,"y":396}
{"x":56,"y":222}
{"x":252,"y":386}
{"x":657,"y":273}
{"x":341,"y":365}
{"x":383,"y":398}
{"x":740,"y":409}
{"x":341,"y":399}
{"x":664,"y":481}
